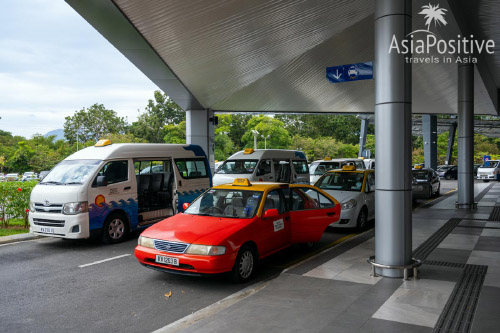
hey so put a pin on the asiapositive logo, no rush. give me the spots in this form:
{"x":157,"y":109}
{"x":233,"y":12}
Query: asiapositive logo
{"x":424,"y":42}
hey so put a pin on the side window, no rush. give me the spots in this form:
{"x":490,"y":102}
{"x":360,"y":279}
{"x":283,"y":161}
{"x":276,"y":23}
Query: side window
{"x":264,"y":167}
{"x":192,"y":168}
{"x":274,"y":200}
{"x":370,"y":182}
{"x":300,"y":167}
{"x":308,"y":198}
{"x":115,"y":172}
{"x":319,"y":198}
{"x":360,"y":165}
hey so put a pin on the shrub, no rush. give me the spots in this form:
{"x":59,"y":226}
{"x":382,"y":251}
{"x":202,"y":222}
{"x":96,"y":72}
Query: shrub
{"x":14,"y":201}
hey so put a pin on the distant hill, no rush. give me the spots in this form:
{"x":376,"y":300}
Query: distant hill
{"x":59,"y":133}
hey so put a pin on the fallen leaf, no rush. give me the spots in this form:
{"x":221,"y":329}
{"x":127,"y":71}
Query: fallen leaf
{"x":182,"y":291}
{"x":167,"y":295}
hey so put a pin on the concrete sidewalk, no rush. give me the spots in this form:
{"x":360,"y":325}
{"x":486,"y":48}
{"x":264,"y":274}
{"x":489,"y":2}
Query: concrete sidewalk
{"x":458,"y":287}
{"x":18,"y":238}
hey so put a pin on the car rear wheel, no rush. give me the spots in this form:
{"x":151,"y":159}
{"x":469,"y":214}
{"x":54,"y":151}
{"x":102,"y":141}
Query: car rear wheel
{"x":485,"y":180}
{"x":114,"y":229}
{"x":438,"y":192}
{"x":245,"y":264}
{"x":447,"y":177}
{"x":362,"y":218}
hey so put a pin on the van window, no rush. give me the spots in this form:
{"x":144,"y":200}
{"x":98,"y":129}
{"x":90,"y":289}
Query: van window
{"x":323,"y":167}
{"x":192,"y":168}
{"x":264,"y":167}
{"x":237,"y":167}
{"x":115,"y":172}
{"x":151,"y":166}
{"x":300,"y":167}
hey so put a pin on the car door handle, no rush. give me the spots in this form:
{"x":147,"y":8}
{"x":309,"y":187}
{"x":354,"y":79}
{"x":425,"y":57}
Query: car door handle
{"x":127,"y":188}
{"x":331,"y":213}
{"x":287,"y":218}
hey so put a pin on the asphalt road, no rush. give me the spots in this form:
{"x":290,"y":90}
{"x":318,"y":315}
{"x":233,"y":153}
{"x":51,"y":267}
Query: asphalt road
{"x":54,"y":285}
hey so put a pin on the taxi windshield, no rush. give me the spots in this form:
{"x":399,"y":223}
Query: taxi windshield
{"x":421,"y":175}
{"x":342,"y":181}
{"x":226,"y":203}
{"x":237,"y":167}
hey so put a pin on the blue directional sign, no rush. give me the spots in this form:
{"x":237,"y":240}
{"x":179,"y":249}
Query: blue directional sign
{"x":350,"y":72}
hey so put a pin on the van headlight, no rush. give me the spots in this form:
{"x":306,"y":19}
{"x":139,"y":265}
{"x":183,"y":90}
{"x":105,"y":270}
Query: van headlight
{"x":146,"y":242}
{"x":349,"y":204}
{"x":32,"y":206}
{"x":206,"y":250}
{"x":73,"y":208}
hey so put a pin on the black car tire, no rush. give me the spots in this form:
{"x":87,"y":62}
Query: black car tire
{"x":115,"y":229}
{"x":245,"y":264}
{"x":438,"y":192}
{"x":362,"y":218}
{"x":447,"y":177}
{"x":485,"y":180}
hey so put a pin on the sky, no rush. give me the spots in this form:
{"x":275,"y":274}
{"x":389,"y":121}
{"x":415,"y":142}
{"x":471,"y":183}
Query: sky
{"x":53,"y":63}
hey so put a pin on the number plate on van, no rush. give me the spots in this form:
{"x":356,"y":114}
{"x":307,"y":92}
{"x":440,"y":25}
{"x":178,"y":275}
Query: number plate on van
{"x":47,"y":230}
{"x":167,"y":260}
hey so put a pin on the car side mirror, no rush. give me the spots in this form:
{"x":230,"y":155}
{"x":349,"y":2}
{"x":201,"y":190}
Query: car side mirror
{"x":273,"y":212}
{"x":101,"y":181}
{"x":185,"y":205}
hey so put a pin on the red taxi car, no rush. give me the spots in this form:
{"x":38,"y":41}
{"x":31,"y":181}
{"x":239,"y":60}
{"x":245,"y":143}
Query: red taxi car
{"x":231,"y":226}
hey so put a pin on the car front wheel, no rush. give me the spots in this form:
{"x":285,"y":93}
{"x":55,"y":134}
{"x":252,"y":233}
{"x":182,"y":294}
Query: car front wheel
{"x":362,"y":219}
{"x":245,"y":264}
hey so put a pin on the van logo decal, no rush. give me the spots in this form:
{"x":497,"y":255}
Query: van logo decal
{"x":46,"y":203}
{"x":100,"y":200}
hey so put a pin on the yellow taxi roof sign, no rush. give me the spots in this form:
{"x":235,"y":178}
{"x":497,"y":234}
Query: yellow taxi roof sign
{"x":103,"y":142}
{"x":349,"y":168}
{"x":242,"y":182}
{"x":248,"y":151}
{"x":418,"y":167}
{"x":327,"y":158}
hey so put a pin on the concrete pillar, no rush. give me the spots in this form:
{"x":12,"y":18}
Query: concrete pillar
{"x":465,"y":136}
{"x":429,"y":127}
{"x":362,"y":136}
{"x":200,"y":131}
{"x":392,"y":138}
{"x":451,"y":142}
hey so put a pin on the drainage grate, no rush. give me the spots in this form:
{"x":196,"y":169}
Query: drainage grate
{"x":444,"y":263}
{"x":458,"y":312}
{"x":495,"y":214}
{"x":432,"y":242}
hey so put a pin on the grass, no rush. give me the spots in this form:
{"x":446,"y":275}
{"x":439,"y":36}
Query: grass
{"x":16,"y":226}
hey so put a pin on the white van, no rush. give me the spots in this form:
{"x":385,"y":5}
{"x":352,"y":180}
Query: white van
{"x":369,"y":163}
{"x":111,"y":189}
{"x":489,"y":170}
{"x":320,"y":167}
{"x":264,"y":165}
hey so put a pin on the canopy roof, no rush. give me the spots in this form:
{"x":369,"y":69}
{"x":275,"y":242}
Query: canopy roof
{"x":270,"y":56}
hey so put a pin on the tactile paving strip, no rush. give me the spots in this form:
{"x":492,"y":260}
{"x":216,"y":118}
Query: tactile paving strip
{"x":458,"y":312}
{"x":495,"y":214}
{"x":444,"y":263}
{"x":432,"y":242}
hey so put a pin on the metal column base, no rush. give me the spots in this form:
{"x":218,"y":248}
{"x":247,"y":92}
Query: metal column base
{"x":415,"y":263}
{"x":466,"y":205}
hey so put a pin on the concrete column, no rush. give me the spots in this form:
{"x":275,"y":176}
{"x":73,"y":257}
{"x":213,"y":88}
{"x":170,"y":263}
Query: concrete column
{"x":392,"y":137}
{"x":362,"y":136}
{"x":465,"y":136}
{"x":200,"y":131}
{"x":451,"y":142}
{"x":429,"y":126}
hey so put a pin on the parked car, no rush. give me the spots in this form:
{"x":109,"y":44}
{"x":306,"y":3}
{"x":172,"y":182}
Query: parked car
{"x":476,"y":167}
{"x":43,"y":174}
{"x":232,"y":226}
{"x":355,"y":190}
{"x":10,"y":177}
{"x":2,"y":177}
{"x":448,"y":172}
{"x":30,"y":175}
{"x":426,"y":183}
{"x":320,"y":167}
{"x":489,"y":170}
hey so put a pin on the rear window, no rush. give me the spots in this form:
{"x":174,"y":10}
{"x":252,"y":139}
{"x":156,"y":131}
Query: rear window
{"x":190,"y":168}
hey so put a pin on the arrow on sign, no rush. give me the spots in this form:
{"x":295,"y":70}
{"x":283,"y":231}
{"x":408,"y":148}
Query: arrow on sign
{"x":338,"y":75}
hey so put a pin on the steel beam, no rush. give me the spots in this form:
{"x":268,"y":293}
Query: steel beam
{"x":429,"y":129}
{"x":362,"y":136}
{"x":451,"y":142}
{"x":200,"y":131}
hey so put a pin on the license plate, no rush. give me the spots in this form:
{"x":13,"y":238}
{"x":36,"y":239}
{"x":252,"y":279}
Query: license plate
{"x":167,"y":260}
{"x":417,"y":188}
{"x":47,"y":230}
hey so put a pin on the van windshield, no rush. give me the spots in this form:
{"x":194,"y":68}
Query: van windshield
{"x":237,"y":167}
{"x":71,"y":172}
{"x":489,"y":164}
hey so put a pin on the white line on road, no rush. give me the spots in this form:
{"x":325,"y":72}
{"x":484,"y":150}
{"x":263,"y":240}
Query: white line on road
{"x":101,"y":261}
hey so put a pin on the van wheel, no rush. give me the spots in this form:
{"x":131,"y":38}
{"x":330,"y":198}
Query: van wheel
{"x":245,"y":264}
{"x":114,"y":229}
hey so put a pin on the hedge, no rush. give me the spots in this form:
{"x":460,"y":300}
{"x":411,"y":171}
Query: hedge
{"x":14,"y":201}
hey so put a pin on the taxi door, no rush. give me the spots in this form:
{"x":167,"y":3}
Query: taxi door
{"x":274,"y":231}
{"x":311,"y":212}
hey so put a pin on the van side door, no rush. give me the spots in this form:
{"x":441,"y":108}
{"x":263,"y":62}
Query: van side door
{"x":192,"y":178}
{"x":264,"y":171}
{"x":301,"y":172}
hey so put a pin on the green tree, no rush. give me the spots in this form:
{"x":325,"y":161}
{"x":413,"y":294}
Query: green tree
{"x":224,"y":146}
{"x":93,"y":123}
{"x":175,"y":133}
{"x":160,"y":112}
{"x":235,"y":126}
{"x":265,"y":125}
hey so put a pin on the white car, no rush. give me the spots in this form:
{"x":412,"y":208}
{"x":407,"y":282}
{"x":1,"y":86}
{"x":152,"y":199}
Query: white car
{"x":352,"y":72}
{"x":355,"y":190}
{"x":319,"y":167}
{"x":489,"y":170}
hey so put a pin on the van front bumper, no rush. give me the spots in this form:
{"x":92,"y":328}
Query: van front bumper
{"x":60,"y":225}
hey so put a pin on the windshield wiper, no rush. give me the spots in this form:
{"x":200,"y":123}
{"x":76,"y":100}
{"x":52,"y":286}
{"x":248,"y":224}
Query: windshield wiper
{"x":71,"y":183}
{"x":51,"y":182}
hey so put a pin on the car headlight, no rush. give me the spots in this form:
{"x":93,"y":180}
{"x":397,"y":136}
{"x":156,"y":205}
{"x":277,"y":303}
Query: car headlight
{"x":349,"y":204}
{"x":146,"y":242}
{"x":206,"y":250}
{"x":32,"y":206}
{"x":73,"y":208}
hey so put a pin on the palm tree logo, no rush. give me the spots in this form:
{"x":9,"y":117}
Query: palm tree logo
{"x":432,"y":13}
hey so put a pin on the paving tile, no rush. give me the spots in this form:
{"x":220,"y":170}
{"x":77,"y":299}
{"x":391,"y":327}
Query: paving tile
{"x":459,"y":242}
{"x":471,"y":223}
{"x":484,"y":199}
{"x":417,"y":302}
{"x":493,"y":224}
{"x":442,"y":273}
{"x":491,"y":233}
{"x":483,"y":203}
{"x":491,"y":196}
{"x":486,"y":318}
{"x":467,"y":231}
{"x":491,"y":244}
{"x":491,"y":279}
{"x":387,"y":326}
{"x":484,"y":258}
{"x":477,"y":216}
{"x":450,"y":255}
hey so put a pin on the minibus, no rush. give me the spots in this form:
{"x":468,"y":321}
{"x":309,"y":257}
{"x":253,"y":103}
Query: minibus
{"x":109,"y":190}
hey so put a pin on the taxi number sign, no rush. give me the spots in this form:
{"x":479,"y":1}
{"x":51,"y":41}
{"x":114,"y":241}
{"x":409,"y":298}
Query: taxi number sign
{"x":167,"y":260}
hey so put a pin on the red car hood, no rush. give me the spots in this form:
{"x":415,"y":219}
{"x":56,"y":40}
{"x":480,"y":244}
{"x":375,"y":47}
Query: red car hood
{"x":195,"y":229}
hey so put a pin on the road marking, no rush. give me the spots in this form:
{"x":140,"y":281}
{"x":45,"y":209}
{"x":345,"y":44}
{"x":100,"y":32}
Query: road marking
{"x":104,"y":260}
